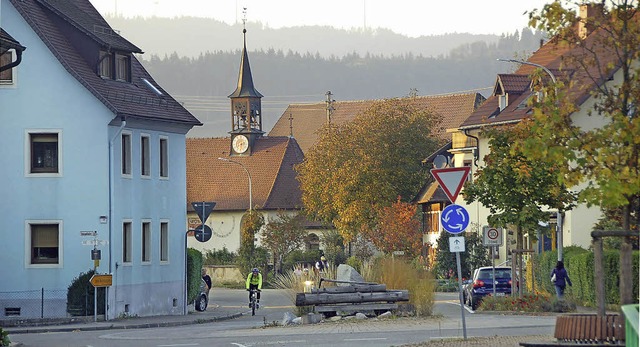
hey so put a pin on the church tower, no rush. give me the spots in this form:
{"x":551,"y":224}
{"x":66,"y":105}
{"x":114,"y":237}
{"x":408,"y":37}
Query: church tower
{"x":246,"y":108}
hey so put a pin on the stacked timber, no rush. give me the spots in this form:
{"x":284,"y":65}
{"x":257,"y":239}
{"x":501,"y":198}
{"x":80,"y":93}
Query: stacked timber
{"x":352,"y":298}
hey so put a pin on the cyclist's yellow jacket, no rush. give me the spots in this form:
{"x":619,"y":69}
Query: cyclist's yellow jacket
{"x":255,"y":280}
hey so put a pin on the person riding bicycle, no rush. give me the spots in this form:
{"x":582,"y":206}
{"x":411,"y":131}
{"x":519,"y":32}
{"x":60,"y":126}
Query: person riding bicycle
{"x":254,"y":281}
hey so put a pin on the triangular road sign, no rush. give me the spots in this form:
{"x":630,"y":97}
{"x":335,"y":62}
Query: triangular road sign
{"x":451,"y":180}
{"x":203,"y":209}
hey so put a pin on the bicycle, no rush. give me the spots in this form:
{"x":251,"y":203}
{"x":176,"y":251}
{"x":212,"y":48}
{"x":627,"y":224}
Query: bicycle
{"x":253,"y":303}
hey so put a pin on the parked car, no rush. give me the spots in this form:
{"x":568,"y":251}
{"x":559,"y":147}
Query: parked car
{"x":482,"y":284}
{"x":203,"y":297}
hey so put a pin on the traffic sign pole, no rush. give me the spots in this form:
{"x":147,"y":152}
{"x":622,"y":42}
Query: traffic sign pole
{"x":464,"y":323}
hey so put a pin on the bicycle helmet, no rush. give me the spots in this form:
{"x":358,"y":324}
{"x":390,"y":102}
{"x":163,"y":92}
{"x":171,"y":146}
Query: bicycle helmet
{"x":255,"y":270}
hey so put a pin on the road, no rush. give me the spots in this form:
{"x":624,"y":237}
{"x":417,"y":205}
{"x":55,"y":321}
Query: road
{"x":259,"y":330}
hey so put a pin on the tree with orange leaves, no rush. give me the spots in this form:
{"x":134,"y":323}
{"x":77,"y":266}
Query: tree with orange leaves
{"x":398,"y":229}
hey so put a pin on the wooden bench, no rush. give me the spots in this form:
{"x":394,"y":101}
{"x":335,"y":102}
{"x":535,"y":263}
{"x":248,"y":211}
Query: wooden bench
{"x":586,"y":329}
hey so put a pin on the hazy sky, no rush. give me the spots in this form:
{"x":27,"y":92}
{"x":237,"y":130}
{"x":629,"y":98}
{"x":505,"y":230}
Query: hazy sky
{"x":409,"y":17}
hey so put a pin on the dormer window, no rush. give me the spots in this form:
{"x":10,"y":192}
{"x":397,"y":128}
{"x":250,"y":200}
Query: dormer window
{"x":502,"y":101}
{"x":116,"y":66}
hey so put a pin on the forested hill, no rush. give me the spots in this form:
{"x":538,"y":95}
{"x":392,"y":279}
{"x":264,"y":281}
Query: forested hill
{"x":197,"y":61}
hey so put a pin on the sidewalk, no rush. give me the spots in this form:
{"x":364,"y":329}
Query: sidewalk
{"x":212,"y":314}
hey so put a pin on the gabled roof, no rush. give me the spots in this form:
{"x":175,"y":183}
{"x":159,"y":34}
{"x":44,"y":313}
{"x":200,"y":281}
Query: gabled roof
{"x":551,"y":55}
{"x":309,"y":118}
{"x":53,"y":19}
{"x":271,"y":166}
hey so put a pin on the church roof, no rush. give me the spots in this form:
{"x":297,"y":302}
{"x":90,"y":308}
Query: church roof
{"x":271,"y":166}
{"x":307,"y":119}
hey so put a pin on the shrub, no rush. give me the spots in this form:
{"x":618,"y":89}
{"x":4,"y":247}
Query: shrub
{"x":4,"y":338}
{"x":220,"y":257}
{"x":293,"y":284}
{"x":355,"y":263}
{"x":528,"y":303}
{"x":194,"y":274}
{"x":80,"y":294}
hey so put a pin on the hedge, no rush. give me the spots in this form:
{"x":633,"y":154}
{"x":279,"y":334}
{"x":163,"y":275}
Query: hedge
{"x":194,"y":273}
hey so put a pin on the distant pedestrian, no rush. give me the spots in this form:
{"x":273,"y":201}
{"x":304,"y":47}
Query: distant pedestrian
{"x":322,"y":265}
{"x":207,"y":280}
{"x":560,"y":279}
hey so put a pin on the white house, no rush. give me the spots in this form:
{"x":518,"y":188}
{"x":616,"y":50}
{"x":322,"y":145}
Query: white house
{"x":91,"y":143}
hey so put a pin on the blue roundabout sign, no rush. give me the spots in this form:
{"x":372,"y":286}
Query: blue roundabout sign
{"x":454,"y":219}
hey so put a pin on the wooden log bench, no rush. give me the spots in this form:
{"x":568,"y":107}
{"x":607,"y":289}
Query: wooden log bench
{"x":585,"y":329}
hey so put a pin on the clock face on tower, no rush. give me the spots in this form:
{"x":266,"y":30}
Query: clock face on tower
{"x":240,"y":144}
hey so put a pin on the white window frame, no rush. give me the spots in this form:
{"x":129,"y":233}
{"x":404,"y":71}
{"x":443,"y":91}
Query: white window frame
{"x":12,"y":83}
{"x":145,"y":155}
{"x":28,"y":154}
{"x":145,"y":241}
{"x":164,"y":241}
{"x":163,"y":152}
{"x":127,"y":242}
{"x":27,"y":244}
{"x":126,"y":162}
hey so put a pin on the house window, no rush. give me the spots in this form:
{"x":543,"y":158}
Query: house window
{"x":502,"y":101}
{"x":164,"y":241}
{"x":313,"y":242}
{"x":123,"y":68}
{"x":145,"y":166}
{"x":146,"y":242}
{"x":126,"y":154}
{"x":6,"y":76}
{"x":126,"y":242}
{"x":45,"y":243}
{"x":43,"y":152}
{"x":164,"y":158}
{"x":105,"y":68}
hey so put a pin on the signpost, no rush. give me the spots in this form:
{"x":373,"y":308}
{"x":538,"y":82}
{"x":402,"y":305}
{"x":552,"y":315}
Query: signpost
{"x":492,"y":237}
{"x":105,"y":280}
{"x":454,"y":219}
{"x":203,"y":233}
{"x":451,"y":180}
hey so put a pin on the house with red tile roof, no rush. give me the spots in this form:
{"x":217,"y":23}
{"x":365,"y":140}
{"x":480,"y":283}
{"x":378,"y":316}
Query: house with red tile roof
{"x":510,"y":103}
{"x":93,"y":166}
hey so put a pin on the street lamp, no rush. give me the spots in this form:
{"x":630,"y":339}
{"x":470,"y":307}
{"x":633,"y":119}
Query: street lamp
{"x":248,"y":174}
{"x":553,"y":79}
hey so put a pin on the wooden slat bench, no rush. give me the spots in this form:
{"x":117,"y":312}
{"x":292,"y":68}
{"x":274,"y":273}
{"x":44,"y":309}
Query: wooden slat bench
{"x":586,"y":329}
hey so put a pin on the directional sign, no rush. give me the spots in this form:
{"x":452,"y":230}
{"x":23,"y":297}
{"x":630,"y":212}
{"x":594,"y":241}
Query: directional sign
{"x":203,"y":233}
{"x":456,"y":244}
{"x":454,"y":219}
{"x":491,"y":236}
{"x":203,"y":209}
{"x":101,"y":280}
{"x":451,"y":180}
{"x":95,"y":242}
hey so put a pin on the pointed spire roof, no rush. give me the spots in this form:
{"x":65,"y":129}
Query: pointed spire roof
{"x":245,"y":80}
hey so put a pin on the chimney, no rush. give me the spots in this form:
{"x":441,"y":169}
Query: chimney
{"x":588,"y":15}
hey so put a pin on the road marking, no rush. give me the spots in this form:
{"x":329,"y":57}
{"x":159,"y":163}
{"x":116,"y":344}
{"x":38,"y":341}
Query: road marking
{"x":182,"y":344}
{"x":367,"y":339}
{"x":238,"y":344}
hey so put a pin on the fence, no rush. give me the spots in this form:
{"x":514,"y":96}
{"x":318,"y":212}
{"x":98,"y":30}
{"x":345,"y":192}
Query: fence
{"x":29,"y":304}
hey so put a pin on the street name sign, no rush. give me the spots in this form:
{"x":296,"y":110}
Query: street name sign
{"x":454,"y":219}
{"x":451,"y":180}
{"x":105,"y":280}
{"x":95,"y":242}
{"x":88,"y":233}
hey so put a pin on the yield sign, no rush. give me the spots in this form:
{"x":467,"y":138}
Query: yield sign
{"x":203,"y":209}
{"x":451,"y":180}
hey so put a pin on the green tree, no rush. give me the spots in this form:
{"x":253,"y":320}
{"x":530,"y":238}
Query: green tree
{"x":283,"y":235}
{"x":602,"y":160}
{"x":362,"y":165}
{"x":474,"y":256}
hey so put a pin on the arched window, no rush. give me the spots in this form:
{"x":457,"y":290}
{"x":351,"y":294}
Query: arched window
{"x":313,"y":242}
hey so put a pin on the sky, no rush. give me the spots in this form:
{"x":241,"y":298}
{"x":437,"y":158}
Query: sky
{"x":409,"y":17}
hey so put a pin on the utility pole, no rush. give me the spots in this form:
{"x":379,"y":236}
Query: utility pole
{"x":330,"y":108}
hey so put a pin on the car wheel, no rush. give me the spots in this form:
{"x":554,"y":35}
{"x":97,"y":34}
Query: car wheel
{"x":201,"y":303}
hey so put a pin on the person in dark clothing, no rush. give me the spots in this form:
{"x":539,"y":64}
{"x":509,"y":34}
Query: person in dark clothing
{"x":207,"y":280}
{"x":561,"y":277}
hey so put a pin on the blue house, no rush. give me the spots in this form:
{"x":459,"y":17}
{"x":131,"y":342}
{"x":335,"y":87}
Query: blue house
{"x":91,"y":145}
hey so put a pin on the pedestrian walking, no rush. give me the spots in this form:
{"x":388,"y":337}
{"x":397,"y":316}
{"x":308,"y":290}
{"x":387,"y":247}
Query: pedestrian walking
{"x":560,"y":279}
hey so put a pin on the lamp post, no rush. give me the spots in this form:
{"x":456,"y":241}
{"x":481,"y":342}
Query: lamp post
{"x":559,"y":213}
{"x":248,"y":174}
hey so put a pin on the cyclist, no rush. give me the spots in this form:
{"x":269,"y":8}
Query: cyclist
{"x":254,"y":281}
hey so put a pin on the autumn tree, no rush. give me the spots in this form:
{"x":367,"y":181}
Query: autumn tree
{"x":283,"y":235}
{"x":517,"y":190}
{"x":398,"y":229}
{"x":600,"y":157}
{"x":362,"y":165}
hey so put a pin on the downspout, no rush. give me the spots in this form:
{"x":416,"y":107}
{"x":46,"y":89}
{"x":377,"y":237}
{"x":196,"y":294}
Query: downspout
{"x":123,"y":123}
{"x":476,"y":153}
{"x":13,"y":64}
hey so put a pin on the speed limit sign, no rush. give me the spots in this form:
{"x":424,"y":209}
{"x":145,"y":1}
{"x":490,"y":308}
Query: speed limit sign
{"x":491,"y":236}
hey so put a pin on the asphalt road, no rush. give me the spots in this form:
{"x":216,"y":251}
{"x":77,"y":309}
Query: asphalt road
{"x":260,"y":330}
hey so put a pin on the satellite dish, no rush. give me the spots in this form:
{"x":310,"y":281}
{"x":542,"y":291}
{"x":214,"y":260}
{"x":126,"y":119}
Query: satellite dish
{"x":440,"y":161}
